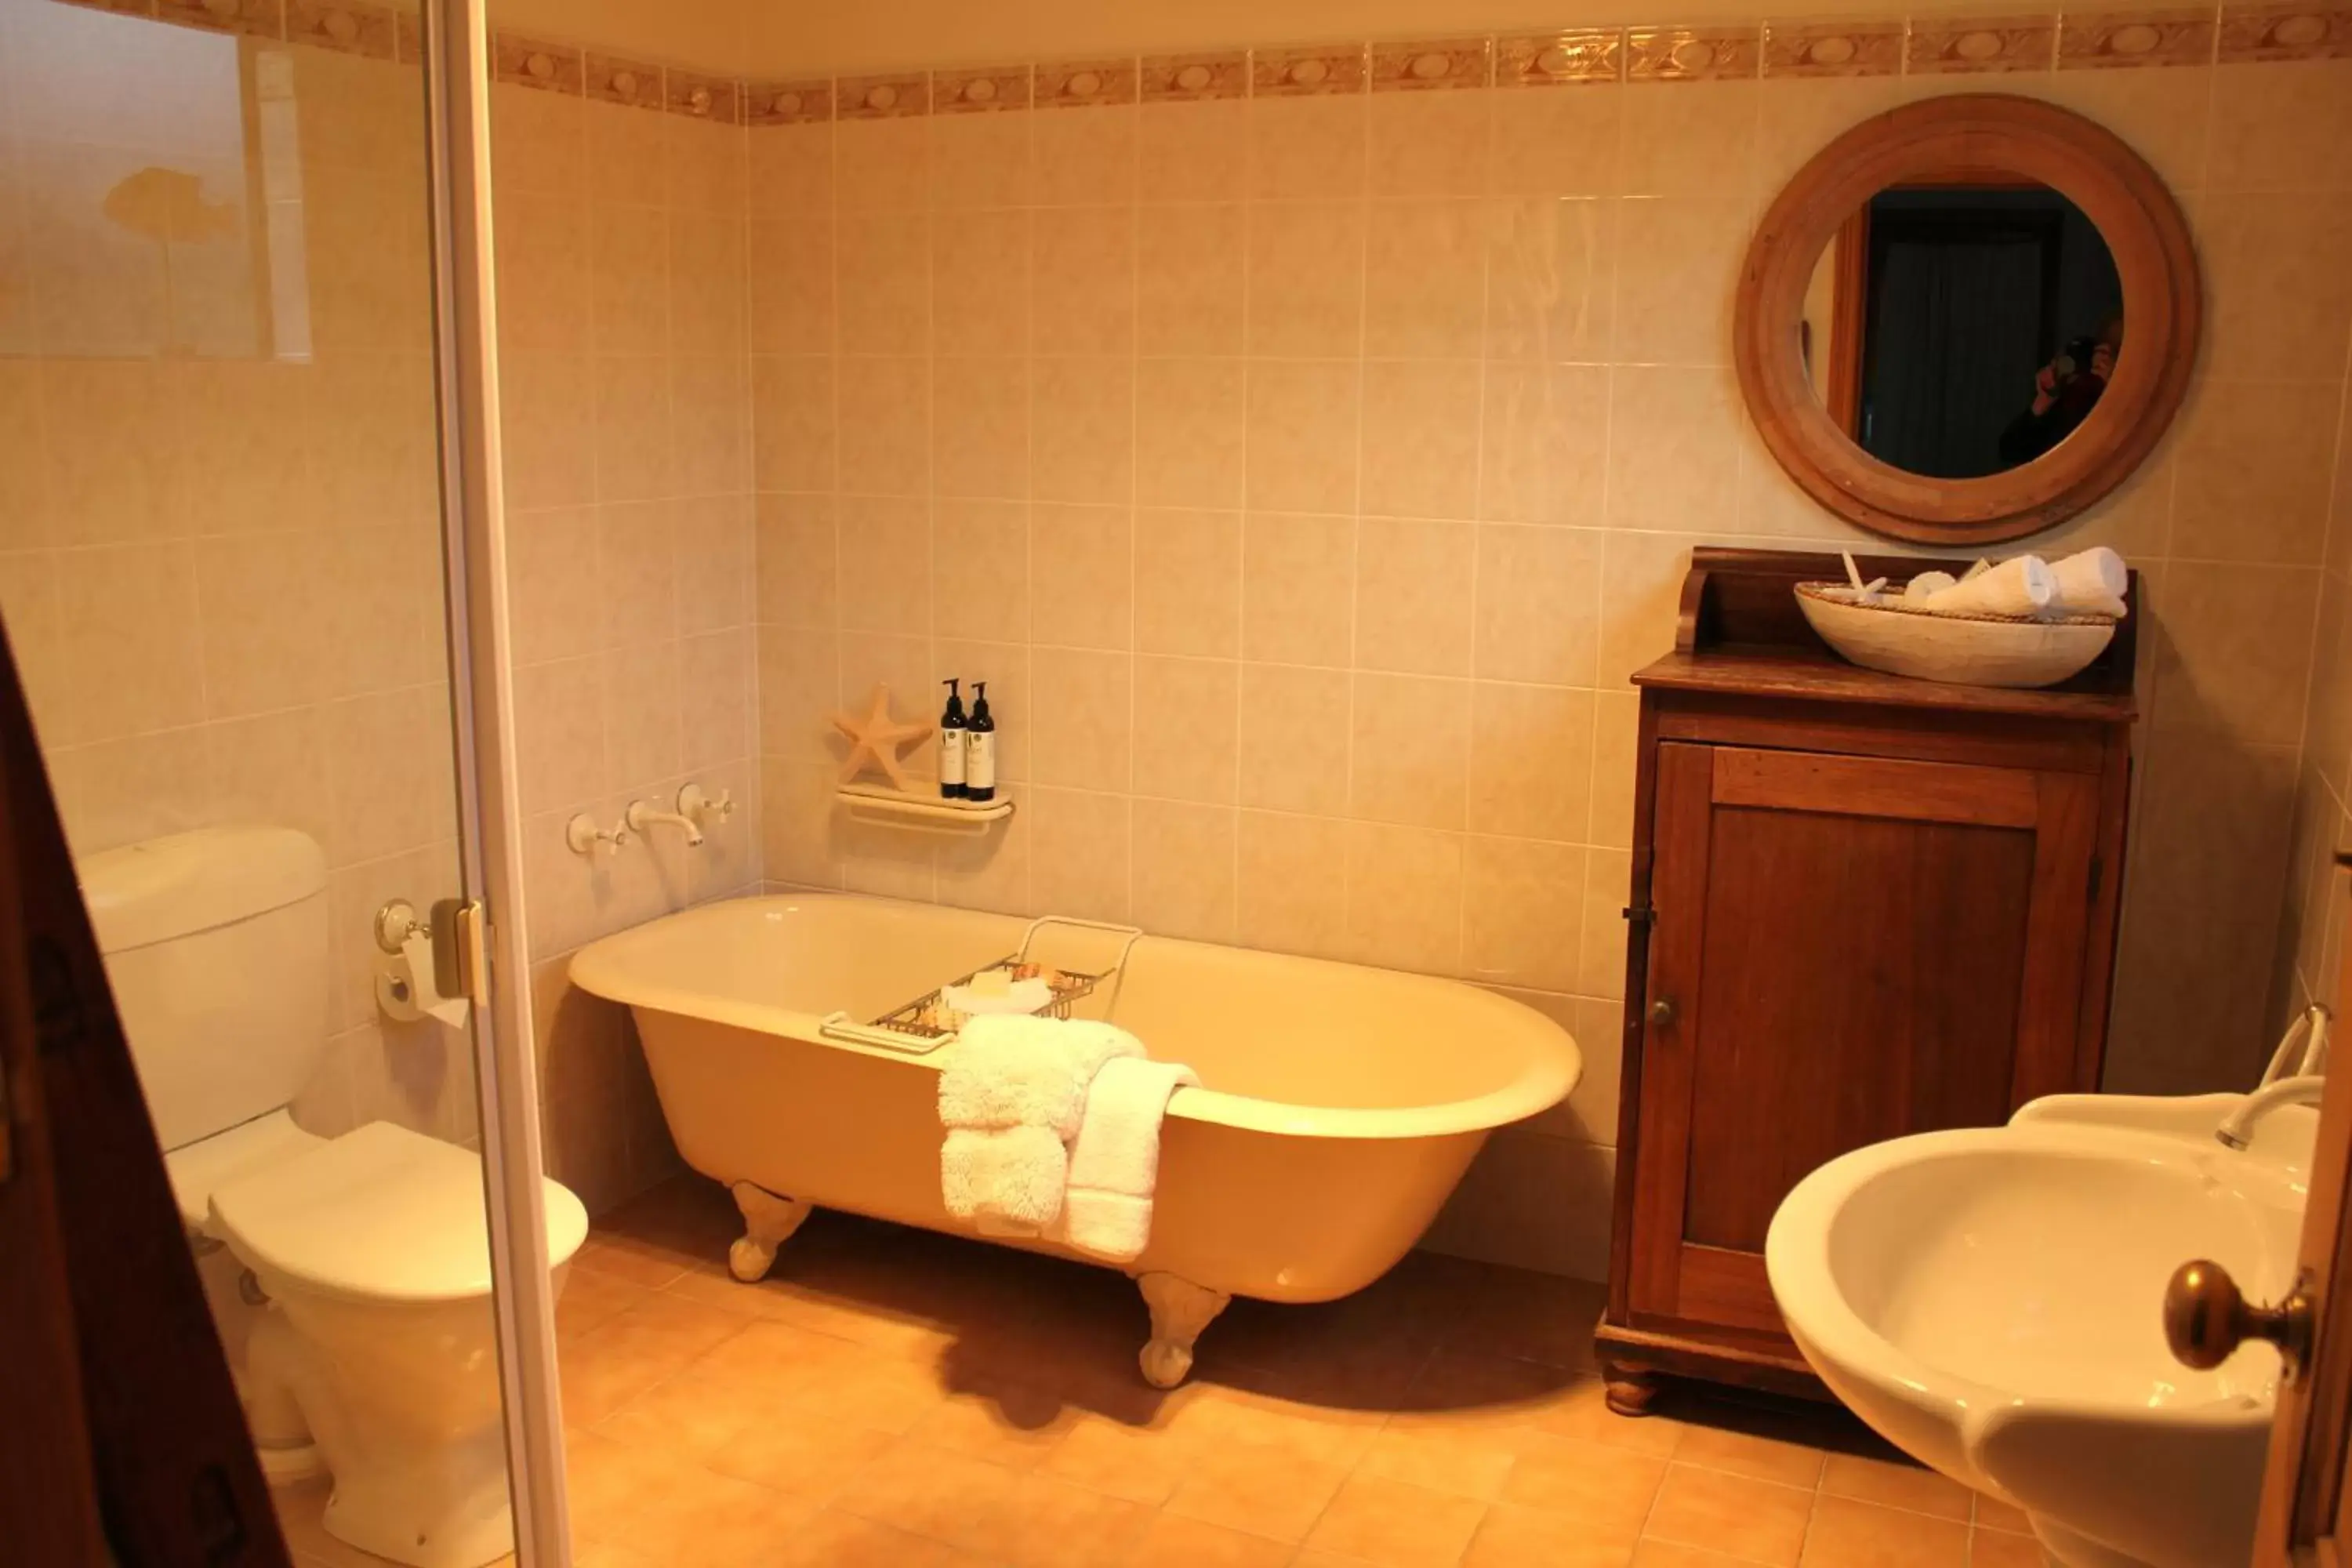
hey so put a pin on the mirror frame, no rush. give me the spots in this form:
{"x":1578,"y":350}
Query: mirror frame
{"x":2085,"y":163}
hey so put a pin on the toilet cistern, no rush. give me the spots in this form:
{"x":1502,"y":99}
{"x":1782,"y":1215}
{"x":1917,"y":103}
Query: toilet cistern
{"x":2237,"y":1129}
{"x":642,"y":813}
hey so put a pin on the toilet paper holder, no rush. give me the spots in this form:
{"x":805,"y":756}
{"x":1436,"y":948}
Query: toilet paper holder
{"x":397,"y":924}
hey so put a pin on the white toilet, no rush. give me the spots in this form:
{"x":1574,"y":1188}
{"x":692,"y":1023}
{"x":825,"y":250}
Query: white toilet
{"x":350,"y":1277}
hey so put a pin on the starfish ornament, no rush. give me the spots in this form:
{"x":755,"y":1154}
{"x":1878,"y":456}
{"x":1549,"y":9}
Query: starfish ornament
{"x":876,"y":738}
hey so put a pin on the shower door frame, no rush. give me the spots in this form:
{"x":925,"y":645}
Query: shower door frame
{"x":458,"y":78}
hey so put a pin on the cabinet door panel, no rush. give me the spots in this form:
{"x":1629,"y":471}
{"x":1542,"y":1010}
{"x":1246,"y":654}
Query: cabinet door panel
{"x":1848,"y":950}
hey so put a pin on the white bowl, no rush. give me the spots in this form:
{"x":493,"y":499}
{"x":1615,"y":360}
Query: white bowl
{"x":1967,"y":651}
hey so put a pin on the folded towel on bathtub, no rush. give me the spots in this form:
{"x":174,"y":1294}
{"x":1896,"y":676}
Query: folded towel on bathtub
{"x":1010,"y":1180}
{"x":1115,"y":1162}
{"x":1022,"y":1071}
{"x":1013,"y":1094}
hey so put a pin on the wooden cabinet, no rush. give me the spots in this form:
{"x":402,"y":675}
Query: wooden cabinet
{"x":1861,"y":907}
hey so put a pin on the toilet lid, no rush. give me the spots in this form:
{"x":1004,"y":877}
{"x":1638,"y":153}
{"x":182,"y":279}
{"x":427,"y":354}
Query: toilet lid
{"x":199,"y":1169}
{"x":382,"y":1214}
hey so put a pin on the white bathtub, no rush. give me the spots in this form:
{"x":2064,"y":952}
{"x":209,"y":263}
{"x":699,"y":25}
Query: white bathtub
{"x":1339,"y":1104}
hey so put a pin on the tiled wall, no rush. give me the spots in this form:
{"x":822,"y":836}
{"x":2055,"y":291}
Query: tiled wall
{"x":624,"y":364}
{"x":2311,"y":941}
{"x":1306,"y":465}
{"x":219,"y":544}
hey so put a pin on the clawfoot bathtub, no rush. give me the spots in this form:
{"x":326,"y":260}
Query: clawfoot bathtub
{"x":1339,"y":1105}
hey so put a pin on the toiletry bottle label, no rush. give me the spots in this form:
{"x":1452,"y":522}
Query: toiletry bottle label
{"x":980,"y":758}
{"x":951,"y":757}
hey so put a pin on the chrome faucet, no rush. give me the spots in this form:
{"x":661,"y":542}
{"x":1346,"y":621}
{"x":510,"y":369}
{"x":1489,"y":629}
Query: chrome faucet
{"x":644,"y":813}
{"x":2237,"y":1129}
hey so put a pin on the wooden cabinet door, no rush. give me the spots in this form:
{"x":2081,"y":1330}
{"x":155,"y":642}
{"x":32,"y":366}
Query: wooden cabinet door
{"x":1844,"y":950}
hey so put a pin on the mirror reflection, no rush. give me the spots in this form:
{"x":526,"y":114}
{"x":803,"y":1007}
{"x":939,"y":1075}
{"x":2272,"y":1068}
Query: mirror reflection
{"x":1964,"y":326}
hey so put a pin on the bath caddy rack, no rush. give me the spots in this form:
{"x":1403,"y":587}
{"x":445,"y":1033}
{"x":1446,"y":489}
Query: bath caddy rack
{"x":927,"y":1022}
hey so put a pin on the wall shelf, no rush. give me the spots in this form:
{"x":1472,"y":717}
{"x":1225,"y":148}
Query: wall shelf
{"x":924,"y":812}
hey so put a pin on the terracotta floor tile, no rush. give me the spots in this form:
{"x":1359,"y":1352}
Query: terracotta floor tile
{"x":611,"y":1482}
{"x":1736,"y":1515}
{"x":1609,"y":1489}
{"x":1850,"y":1534}
{"x":1994,"y":1515}
{"x":869,"y":1390}
{"x":1492,"y":1390}
{"x":1227,"y":1418}
{"x":1746,"y":1454}
{"x":1999,"y":1548}
{"x":1171,"y":1540}
{"x":836,"y":1539}
{"x":1428,"y":1451}
{"x":793,"y":1451}
{"x":1396,"y":1524}
{"x":1895,"y":1486}
{"x":700,"y":1516}
{"x":1580,"y":1409}
{"x":1514,"y":1537}
{"x":689,"y":1415}
{"x":1013,"y":1426}
{"x":1257,"y":1491}
{"x":637,"y":1262}
{"x":1135,"y":1463}
{"x":1064,"y":1526}
{"x":963,"y":1501}
{"x":1667,"y":1554}
{"x":590,"y":1299}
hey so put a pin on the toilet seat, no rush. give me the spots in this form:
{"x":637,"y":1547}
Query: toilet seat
{"x":381,"y":1214}
{"x":201,"y":1168}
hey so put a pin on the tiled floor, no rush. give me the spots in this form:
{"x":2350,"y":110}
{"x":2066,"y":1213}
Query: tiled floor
{"x":892,"y":1399}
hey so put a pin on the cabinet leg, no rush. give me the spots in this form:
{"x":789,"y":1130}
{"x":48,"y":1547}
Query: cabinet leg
{"x":1630,"y":1391}
{"x":769,"y":1222}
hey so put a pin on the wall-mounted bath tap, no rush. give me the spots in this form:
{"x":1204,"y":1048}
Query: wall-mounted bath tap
{"x":642,"y":813}
{"x":695,"y":803}
{"x":582,"y":836}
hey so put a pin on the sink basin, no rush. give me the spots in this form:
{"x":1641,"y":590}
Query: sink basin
{"x":1989,"y":1301}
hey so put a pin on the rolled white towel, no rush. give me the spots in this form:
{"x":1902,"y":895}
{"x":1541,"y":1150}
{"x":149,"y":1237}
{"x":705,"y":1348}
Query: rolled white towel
{"x":1929,"y":583}
{"x":2091,"y":583}
{"x":2022,"y":585}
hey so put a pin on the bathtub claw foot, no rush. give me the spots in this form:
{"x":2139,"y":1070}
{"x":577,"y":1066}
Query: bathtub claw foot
{"x":769,"y":1222}
{"x":1179,"y":1311}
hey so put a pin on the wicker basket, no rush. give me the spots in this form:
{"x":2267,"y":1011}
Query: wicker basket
{"x":1902,"y":637}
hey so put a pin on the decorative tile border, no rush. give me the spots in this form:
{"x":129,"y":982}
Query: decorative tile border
{"x":1982,"y":44}
{"x":1586,"y":55}
{"x":1306,"y":73}
{"x":986,"y":91}
{"x":805,"y":102}
{"x":2172,"y":34}
{"x":2135,"y":38}
{"x":1432,"y":67}
{"x":2256,"y":32}
{"x":1833,"y":49}
{"x":882,"y":97}
{"x":1693,"y":54}
{"x":371,"y":31}
{"x":1085,"y":84}
{"x":633,"y":84}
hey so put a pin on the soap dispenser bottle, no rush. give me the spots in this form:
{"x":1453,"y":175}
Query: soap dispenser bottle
{"x":952,"y":744}
{"x":980,"y":748}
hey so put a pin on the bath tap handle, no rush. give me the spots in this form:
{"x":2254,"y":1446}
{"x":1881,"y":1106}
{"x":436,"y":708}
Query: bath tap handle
{"x":582,"y":836}
{"x":697,"y":806}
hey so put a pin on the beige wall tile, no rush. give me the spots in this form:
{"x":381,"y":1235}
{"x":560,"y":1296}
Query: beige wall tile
{"x":795,"y":579}
{"x":1184,"y":859}
{"x":1531,"y":762}
{"x":1546,"y":443}
{"x":1430,"y":143}
{"x":1302,"y":436}
{"x":1082,"y":569}
{"x":1522,"y":912}
{"x":1291,"y":889}
{"x":1189,"y":427}
{"x":1082,"y":281}
{"x":1293,"y":748}
{"x":1421,"y":438}
{"x":883,"y":439}
{"x":1082,"y":720}
{"x":981,"y":433}
{"x":1424,"y":277}
{"x":2278,"y":281}
{"x":1192,"y":151}
{"x":129,"y":635}
{"x":1188,"y":582}
{"x":1538,"y":604}
{"x":1297,"y":579}
{"x":1691,"y":144}
{"x":1557,"y":143}
{"x":1410,"y":751}
{"x":1404,"y":897}
{"x":2251,"y":471}
{"x":1187,"y":728}
{"x":1082,"y":441}
{"x":1085,"y":154}
{"x":1673,"y":452}
{"x":1078,"y":848}
{"x":1189,"y":275}
{"x":979,"y":571}
{"x":1306,"y":289}
{"x":983,"y":161}
{"x":884,"y":276}
{"x":2234,"y":648}
{"x":1305,"y":147}
{"x":979,"y":282}
{"x":1415,"y":586}
{"x":1674,"y":307}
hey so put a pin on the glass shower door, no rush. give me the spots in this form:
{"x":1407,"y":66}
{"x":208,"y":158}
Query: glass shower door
{"x":227,"y":573}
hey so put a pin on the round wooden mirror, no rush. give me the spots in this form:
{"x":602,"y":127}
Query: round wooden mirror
{"x":1966,"y":320}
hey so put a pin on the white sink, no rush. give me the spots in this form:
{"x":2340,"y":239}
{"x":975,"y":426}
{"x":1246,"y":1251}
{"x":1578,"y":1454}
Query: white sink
{"x":1991,"y":1302}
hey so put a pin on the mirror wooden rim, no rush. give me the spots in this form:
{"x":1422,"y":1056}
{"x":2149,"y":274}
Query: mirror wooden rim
{"x":2114,"y":188}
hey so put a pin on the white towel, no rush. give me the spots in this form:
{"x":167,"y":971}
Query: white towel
{"x":1006,"y":1071}
{"x":1115,"y":1162}
{"x":2090,"y":583}
{"x":1013,"y":1093}
{"x":2021,"y":585}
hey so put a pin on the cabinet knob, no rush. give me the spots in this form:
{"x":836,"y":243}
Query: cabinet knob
{"x":2206,"y":1318}
{"x":1662,"y":1011}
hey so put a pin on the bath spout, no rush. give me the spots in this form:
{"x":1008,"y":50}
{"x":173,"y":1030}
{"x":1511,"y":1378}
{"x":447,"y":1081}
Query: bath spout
{"x":642,"y":813}
{"x":2237,"y":1129}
